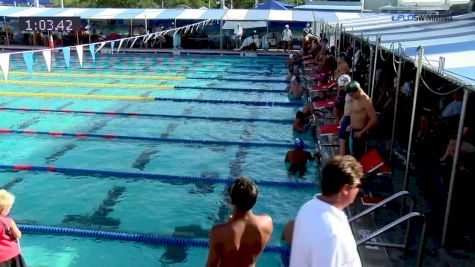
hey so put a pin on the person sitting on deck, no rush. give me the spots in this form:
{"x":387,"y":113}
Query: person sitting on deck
{"x":241,"y":240}
{"x":298,"y":158}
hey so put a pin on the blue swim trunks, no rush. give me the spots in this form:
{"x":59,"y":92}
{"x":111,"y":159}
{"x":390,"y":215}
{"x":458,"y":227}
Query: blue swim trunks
{"x":345,"y":122}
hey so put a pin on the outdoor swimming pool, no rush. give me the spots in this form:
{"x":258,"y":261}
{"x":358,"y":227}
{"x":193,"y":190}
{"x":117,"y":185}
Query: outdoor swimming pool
{"x":175,"y":116}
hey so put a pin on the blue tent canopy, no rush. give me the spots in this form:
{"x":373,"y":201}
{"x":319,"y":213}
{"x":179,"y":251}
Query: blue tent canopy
{"x":274,"y":5}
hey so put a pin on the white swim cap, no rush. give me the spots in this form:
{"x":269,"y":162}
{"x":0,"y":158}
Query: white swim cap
{"x":286,"y":25}
{"x":344,"y":80}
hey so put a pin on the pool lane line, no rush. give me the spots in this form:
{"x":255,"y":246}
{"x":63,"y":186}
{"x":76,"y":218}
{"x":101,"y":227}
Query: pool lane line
{"x":176,"y":63}
{"x":130,"y":237}
{"x":146,"y":98}
{"x":180,"y":70}
{"x":132,"y":76}
{"x":141,"y":86}
{"x":81,"y":84}
{"x":153,"y":115}
{"x":100,"y":215}
{"x":92,"y":75}
{"x":148,"y":138}
{"x":78,"y":96}
{"x":151,"y":176}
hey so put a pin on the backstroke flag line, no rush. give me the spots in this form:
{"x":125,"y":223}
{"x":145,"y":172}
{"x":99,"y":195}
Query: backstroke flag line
{"x":47,"y":53}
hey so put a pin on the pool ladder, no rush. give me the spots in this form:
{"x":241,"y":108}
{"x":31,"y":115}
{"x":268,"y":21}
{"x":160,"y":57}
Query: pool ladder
{"x":409,"y":217}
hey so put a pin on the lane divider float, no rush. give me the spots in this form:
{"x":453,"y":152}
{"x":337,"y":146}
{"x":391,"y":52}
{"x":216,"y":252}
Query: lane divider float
{"x":150,"y":176}
{"x":130,"y":237}
{"x":130,"y":114}
{"x":149,"y":138}
{"x":145,"y":98}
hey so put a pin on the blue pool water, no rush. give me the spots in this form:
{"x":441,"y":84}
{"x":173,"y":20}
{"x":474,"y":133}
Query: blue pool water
{"x":139,"y":205}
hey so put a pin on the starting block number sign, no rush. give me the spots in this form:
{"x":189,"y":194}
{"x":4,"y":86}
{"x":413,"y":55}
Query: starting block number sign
{"x":176,"y":53}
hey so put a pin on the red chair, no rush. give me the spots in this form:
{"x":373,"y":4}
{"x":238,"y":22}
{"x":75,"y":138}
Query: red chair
{"x":329,"y":129}
{"x":373,"y":165}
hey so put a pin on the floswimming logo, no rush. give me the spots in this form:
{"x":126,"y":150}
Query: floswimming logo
{"x":421,"y":17}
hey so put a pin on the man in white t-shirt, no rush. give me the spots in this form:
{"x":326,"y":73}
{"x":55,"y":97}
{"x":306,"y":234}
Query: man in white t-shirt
{"x":322,"y":235}
{"x":238,"y":35}
{"x":286,"y":37}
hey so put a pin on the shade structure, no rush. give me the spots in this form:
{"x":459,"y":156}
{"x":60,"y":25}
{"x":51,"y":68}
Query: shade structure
{"x":183,"y":14}
{"x":453,"y":39}
{"x":275,"y":5}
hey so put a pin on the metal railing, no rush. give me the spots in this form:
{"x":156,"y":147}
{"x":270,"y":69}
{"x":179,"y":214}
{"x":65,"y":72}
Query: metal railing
{"x":409,"y":216}
{"x":402,"y":219}
{"x":380,"y":204}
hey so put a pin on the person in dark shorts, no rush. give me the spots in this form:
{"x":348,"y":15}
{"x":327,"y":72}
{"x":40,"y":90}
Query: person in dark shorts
{"x":342,"y":107}
{"x":363,"y":118}
{"x":298,"y":158}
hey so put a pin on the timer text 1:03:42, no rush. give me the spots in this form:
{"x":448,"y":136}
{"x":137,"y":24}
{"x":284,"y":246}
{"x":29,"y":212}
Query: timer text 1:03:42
{"x":50,"y":24}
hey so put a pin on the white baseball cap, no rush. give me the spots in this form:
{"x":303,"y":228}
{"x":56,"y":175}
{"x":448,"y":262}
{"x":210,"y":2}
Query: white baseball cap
{"x":344,"y":80}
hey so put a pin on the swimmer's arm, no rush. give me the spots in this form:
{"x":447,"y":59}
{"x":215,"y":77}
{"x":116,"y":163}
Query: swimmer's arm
{"x":287,"y":157}
{"x":213,"y":254}
{"x":16,"y":232}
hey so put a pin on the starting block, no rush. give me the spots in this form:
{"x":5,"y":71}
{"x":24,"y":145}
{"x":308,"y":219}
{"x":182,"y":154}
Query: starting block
{"x":328,"y":129}
{"x":373,"y":163}
{"x":323,"y":104}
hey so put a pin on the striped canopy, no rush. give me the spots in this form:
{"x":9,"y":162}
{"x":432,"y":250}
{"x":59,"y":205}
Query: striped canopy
{"x":454,"y":40}
{"x":180,"y":14}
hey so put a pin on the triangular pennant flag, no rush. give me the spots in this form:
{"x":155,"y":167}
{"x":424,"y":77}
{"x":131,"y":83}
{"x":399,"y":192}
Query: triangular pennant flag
{"x":101,"y":46}
{"x":28,"y":57}
{"x":5,"y":65}
{"x":148,"y":38}
{"x":79,"y":49}
{"x":47,"y":56}
{"x":135,"y":40}
{"x":112,"y":47}
{"x":93,"y":52}
{"x":120,"y":44}
{"x":67,"y":55}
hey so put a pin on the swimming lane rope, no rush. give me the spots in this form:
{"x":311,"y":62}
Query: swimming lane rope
{"x":181,"y":70}
{"x":113,"y":113}
{"x":148,"y":138}
{"x":99,"y":85}
{"x":139,"y":86}
{"x":94,"y":75}
{"x":130,"y":237}
{"x":151,"y":176}
{"x":132,"y":76}
{"x":144,"y":98}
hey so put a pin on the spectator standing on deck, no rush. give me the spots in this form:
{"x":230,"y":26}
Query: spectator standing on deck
{"x":362,"y":118}
{"x":238,"y":35}
{"x":241,"y":240}
{"x":322,"y":235}
{"x":287,"y":37}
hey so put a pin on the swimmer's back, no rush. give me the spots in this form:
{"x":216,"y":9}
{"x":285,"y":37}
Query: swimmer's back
{"x":241,"y":241}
